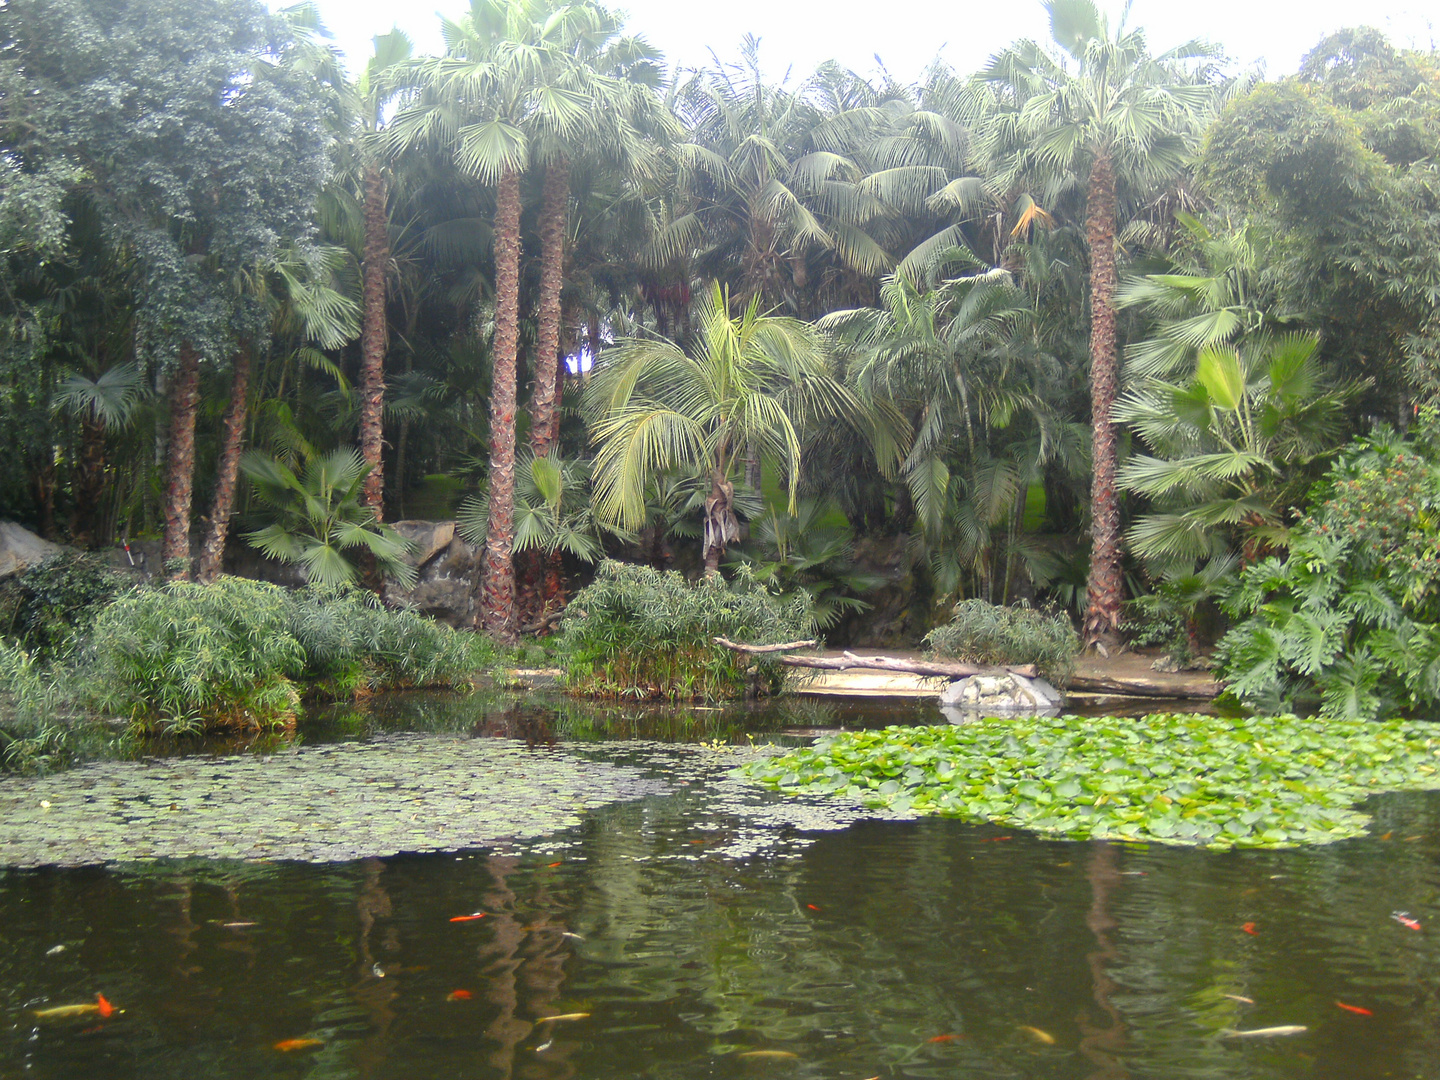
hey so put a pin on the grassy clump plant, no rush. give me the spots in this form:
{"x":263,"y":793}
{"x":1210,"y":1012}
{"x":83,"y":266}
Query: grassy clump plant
{"x":985,"y":633}
{"x":240,"y":653}
{"x":1253,"y":782}
{"x":637,"y":632}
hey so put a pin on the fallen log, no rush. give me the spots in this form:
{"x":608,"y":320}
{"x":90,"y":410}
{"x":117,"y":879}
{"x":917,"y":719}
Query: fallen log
{"x":847,"y":660}
{"x":1138,"y":686}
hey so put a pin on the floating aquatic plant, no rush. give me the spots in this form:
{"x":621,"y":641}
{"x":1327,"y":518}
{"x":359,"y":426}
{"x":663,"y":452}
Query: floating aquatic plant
{"x":1176,"y":779}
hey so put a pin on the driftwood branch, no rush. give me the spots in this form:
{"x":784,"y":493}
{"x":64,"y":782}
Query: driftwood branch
{"x":1139,"y":686}
{"x":788,"y":646}
{"x":847,"y":660}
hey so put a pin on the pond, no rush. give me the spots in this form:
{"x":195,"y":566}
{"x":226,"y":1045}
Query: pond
{"x":682,"y":924}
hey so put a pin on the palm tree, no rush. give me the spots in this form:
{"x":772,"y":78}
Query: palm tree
{"x":1211,"y":297}
{"x":319,"y":517}
{"x":303,"y":302}
{"x":1230,"y":447}
{"x":753,"y":195}
{"x":375,"y":89}
{"x":1106,"y":114}
{"x":105,"y":403}
{"x":505,"y":81}
{"x":753,"y":382}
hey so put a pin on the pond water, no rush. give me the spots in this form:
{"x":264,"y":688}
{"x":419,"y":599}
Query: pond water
{"x":692,"y":926}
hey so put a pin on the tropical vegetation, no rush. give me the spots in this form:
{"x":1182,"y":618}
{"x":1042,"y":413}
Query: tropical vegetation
{"x":637,"y":633}
{"x":1080,"y":330}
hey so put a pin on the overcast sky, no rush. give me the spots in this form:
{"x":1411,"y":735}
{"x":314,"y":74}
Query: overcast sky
{"x":907,"y":35}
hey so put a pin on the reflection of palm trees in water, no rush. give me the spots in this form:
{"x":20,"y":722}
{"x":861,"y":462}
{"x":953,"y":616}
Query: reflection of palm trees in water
{"x":374,"y":993}
{"x":1102,"y":1044}
{"x":516,"y":722}
{"x":523,"y":965}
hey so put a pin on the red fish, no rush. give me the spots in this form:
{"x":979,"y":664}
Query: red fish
{"x":1354,"y":1008}
{"x":944,"y":1038}
{"x":1405,"y":920}
{"x":105,"y":1008}
{"x":459,"y":995}
{"x":812,"y":907}
{"x":468,"y":918}
{"x":995,"y":839}
{"x":552,"y":865}
{"x":1249,"y":928}
{"x":286,"y":1045}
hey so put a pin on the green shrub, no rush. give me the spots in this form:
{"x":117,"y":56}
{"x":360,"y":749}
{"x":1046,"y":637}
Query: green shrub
{"x":49,"y":608}
{"x":636,"y":632}
{"x":1349,"y":621}
{"x":241,"y":653}
{"x":984,"y":633}
{"x":34,"y":711}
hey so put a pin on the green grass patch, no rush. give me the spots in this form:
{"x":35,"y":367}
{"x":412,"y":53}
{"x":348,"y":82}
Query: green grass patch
{"x":1254,"y":782}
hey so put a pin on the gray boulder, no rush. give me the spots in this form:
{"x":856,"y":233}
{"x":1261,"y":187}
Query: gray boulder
{"x":447,"y":569}
{"x":21,"y":549}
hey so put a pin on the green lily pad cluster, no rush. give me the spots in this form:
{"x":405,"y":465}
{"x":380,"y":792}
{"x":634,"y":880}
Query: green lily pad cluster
{"x":1255,"y":782}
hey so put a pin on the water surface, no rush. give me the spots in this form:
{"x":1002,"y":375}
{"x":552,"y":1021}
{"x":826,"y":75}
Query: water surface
{"x":700,"y":924}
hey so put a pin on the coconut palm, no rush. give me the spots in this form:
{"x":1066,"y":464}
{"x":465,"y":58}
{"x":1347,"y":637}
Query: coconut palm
{"x":752,"y":383}
{"x":1105,"y":114}
{"x":1229,"y":447}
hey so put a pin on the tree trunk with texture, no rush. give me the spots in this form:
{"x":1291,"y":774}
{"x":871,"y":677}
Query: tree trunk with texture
{"x":543,"y":404}
{"x":227,"y":472}
{"x":1105,"y":594}
{"x":722,"y":528}
{"x":372,"y":340}
{"x":89,"y":482}
{"x":497,"y":587}
{"x":180,"y":463}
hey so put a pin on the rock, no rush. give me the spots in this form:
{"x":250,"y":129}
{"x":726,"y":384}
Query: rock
{"x":21,"y":549}
{"x":448,"y":572}
{"x":1001,"y":693}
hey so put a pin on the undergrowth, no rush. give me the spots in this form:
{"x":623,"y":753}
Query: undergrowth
{"x":185,"y":658}
{"x":637,"y":633}
{"x":984,"y":633}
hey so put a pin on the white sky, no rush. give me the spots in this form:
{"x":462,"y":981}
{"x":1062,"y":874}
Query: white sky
{"x":907,"y":34}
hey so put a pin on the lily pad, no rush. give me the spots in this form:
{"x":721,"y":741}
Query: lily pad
{"x":1216,"y":782}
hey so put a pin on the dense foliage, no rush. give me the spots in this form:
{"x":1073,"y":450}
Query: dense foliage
{"x":636,"y":632}
{"x":1173,"y":779}
{"x":48,"y":608}
{"x":1349,"y":621}
{"x":241,"y":653}
{"x":985,"y":633}
{"x":921,"y":301}
{"x":186,"y":658}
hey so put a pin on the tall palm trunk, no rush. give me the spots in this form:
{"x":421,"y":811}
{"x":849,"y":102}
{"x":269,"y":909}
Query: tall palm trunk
{"x":232,"y":439}
{"x":1105,"y":593}
{"x":553,"y":206}
{"x":497,"y":588}
{"x":89,"y":481}
{"x":180,"y":462}
{"x":372,"y":339}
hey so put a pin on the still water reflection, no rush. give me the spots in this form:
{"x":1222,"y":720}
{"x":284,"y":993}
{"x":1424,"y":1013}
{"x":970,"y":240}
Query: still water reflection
{"x":888,"y":949}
